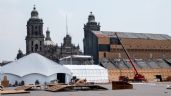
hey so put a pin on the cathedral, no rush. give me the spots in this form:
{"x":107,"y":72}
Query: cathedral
{"x":36,"y":42}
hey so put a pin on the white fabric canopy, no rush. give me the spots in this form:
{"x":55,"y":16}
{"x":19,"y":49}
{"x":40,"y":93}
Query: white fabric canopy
{"x":35,"y":67}
{"x":92,"y":73}
{"x":34,"y":63}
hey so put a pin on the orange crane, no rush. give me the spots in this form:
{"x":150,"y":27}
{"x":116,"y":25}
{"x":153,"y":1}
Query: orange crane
{"x":137,"y":77}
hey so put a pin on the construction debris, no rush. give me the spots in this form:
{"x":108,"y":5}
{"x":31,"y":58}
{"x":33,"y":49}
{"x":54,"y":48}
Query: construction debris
{"x":5,"y":81}
{"x":57,"y":88}
{"x":79,"y":85}
{"x":25,"y":87}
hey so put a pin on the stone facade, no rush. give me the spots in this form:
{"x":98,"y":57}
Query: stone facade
{"x":35,"y":37}
{"x":89,"y":41}
{"x":37,"y":42}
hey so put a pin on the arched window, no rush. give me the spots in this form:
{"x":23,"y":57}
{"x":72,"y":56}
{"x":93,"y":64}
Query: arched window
{"x":36,"y":47}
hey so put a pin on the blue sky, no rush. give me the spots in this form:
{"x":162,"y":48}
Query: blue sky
{"x":139,"y":16}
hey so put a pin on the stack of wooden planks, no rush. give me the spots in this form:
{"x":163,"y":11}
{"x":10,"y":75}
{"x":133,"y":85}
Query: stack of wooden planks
{"x":8,"y":91}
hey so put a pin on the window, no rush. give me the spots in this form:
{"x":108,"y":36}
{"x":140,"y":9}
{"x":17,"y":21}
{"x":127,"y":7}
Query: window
{"x":32,"y":43}
{"x":104,"y":47}
{"x":114,"y":40}
{"x":35,"y":27}
{"x":36,"y":47}
{"x":36,"y":33}
{"x":104,"y":55}
{"x":40,"y":42}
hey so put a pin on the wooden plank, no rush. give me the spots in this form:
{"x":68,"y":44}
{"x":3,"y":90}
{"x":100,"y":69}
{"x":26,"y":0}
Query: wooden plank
{"x":24,"y":87}
{"x":13,"y":91}
{"x":57,"y":88}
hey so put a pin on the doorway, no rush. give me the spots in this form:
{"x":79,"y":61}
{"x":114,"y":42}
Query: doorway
{"x":159,"y":77}
{"x":61,"y":77}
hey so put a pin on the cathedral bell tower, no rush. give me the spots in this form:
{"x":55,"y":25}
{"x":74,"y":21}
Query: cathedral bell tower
{"x":90,"y":26}
{"x":35,"y":37}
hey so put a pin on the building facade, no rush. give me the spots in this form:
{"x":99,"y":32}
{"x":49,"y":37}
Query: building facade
{"x":36,"y":42}
{"x":90,"y":44}
{"x":105,"y":44}
{"x":150,"y":53}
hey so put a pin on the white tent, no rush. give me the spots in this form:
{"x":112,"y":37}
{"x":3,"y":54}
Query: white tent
{"x":92,"y":73}
{"x":35,"y":67}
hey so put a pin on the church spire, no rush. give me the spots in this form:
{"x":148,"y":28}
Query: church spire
{"x":66,"y":26}
{"x":20,"y":54}
{"x":92,"y":25}
{"x":34,"y":13}
{"x":34,"y":7}
{"x":91,"y":17}
{"x":48,"y":35}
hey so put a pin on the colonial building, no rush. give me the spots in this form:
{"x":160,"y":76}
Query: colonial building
{"x":90,"y":41}
{"x":36,"y":42}
{"x":104,"y":44}
{"x":151,"y":53}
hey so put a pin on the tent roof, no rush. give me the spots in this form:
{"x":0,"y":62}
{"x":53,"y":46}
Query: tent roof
{"x":83,"y":67}
{"x":34,"y":63}
{"x":77,"y":56}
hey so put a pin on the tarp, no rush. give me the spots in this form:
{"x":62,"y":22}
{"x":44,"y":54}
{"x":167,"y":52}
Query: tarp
{"x":92,"y":73}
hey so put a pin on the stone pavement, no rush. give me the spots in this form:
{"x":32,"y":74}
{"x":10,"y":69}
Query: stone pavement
{"x":139,"y":89}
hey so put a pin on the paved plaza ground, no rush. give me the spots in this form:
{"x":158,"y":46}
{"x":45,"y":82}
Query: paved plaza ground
{"x":139,"y":89}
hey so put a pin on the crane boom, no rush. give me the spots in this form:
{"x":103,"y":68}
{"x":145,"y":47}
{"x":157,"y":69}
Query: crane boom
{"x":137,"y":77}
{"x":130,"y":60}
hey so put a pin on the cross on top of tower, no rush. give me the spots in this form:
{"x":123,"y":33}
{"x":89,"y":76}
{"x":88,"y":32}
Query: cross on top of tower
{"x":34,"y":7}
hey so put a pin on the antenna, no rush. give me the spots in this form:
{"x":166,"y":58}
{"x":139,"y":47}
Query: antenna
{"x":66,"y":26}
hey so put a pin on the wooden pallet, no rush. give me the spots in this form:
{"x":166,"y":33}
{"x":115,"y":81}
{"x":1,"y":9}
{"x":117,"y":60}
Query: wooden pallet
{"x":56,"y":88}
{"x":28,"y":87}
{"x":89,"y":87}
{"x":13,"y":91}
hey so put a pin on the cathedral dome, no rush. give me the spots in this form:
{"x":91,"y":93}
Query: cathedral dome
{"x":48,"y":40}
{"x":48,"y":43}
{"x":91,"y":17}
{"x":34,"y":13}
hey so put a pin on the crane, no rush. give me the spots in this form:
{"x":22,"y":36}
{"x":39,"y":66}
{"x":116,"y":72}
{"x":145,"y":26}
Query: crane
{"x":137,"y":77}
